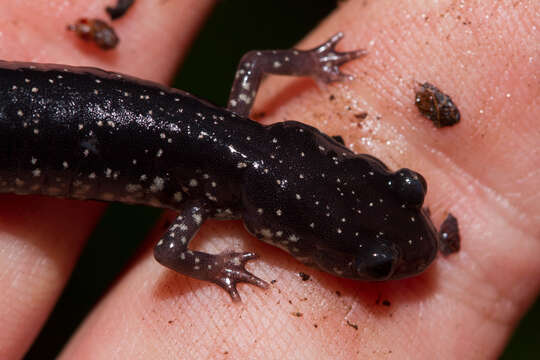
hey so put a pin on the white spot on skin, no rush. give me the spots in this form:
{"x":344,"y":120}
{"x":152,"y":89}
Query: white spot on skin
{"x":178,"y":196}
{"x":132,"y":188}
{"x":266,"y":233}
{"x":244,"y":98}
{"x":157,"y":185}
{"x":293,"y":238}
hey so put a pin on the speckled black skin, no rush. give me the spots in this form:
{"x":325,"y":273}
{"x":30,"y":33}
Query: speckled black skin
{"x":89,"y":134}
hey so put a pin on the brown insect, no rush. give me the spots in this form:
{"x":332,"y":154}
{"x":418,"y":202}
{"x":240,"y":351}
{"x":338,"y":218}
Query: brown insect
{"x":436,"y":105}
{"x":97,"y":31}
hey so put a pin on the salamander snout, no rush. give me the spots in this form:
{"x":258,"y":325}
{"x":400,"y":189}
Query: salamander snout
{"x":410,"y":187}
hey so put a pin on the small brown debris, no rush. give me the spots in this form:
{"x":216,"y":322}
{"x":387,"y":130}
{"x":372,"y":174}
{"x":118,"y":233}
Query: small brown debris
{"x":436,"y":105}
{"x":304,"y":276}
{"x":361,"y":116}
{"x":354,"y":326}
{"x":449,"y":238}
{"x":297,"y":314}
{"x":97,"y":31}
{"x":386,"y":303}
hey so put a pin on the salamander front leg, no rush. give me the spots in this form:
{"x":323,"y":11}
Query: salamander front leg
{"x":225,"y":269}
{"x":322,"y":63}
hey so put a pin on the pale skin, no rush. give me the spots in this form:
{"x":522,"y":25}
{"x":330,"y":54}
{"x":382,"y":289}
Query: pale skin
{"x":484,"y":171}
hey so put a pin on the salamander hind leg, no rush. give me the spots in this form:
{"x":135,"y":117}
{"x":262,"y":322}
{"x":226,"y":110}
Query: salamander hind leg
{"x":225,"y":269}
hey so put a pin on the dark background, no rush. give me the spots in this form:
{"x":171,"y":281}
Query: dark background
{"x":235,"y":27}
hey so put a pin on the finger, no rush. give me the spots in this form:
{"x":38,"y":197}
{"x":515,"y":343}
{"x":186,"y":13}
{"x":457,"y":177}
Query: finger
{"x":39,"y":246}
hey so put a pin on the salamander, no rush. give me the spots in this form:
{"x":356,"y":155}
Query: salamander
{"x":85,"y":133}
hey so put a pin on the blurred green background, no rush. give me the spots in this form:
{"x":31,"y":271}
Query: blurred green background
{"x":235,"y":27}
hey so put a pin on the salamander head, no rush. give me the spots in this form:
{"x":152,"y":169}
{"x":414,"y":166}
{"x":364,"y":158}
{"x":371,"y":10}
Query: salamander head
{"x":343,"y":213}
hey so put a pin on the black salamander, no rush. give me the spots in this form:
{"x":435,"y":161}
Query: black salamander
{"x":85,"y":133}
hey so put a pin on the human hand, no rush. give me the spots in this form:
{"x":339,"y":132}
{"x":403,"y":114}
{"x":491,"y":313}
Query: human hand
{"x":154,"y":313}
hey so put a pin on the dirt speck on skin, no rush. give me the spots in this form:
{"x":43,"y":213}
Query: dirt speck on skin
{"x":297,"y":314}
{"x":95,"y":30}
{"x":304,"y":276}
{"x":449,"y":237}
{"x":361,"y":115}
{"x":436,"y":105}
{"x":354,"y":326}
{"x":386,"y":303}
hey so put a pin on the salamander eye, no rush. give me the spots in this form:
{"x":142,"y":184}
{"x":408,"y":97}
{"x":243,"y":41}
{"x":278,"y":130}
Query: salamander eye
{"x":410,"y":187}
{"x":378,"y":264}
